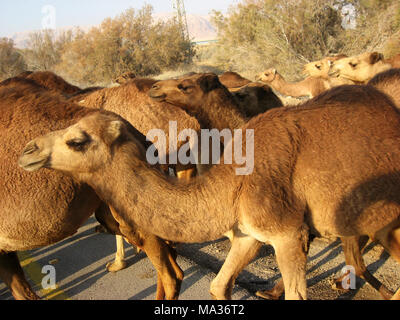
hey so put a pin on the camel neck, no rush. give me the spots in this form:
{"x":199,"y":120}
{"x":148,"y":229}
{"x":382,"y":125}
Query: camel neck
{"x":287,"y":88}
{"x":196,"y":211}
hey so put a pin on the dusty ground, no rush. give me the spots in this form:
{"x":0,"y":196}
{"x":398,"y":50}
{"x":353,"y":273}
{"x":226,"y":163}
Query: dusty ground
{"x":325,"y":260}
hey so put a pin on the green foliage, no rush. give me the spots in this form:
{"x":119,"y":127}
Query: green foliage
{"x":11,"y":60}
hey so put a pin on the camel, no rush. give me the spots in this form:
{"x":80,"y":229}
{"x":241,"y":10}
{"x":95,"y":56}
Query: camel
{"x":130,"y":100}
{"x":321,"y":67}
{"x":311,"y":86}
{"x":389,"y":83}
{"x":125,"y":77}
{"x":51,"y":81}
{"x":359,"y":69}
{"x":256,"y":98}
{"x":207,"y":100}
{"x":297,"y":188}
{"x":44,"y":208}
{"x":233,"y":80}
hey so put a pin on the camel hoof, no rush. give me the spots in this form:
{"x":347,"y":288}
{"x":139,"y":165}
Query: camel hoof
{"x":337,"y":284}
{"x":268,"y":295}
{"x":116,"y":266}
{"x":100,"y":229}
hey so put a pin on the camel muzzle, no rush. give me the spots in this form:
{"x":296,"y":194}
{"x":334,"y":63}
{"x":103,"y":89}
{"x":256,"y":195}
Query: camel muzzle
{"x":31,"y":159}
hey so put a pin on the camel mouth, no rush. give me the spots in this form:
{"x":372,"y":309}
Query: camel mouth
{"x":334,"y":73}
{"x":157,"y":97}
{"x":31,"y":163}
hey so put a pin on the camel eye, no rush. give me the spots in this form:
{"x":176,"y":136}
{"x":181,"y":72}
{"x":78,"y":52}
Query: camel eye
{"x":353,"y":65}
{"x":78,"y":144}
{"x":185,"y":89}
{"x":318,"y":67}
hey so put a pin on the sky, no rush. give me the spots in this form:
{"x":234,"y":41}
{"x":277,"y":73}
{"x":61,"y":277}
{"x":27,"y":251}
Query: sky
{"x":27,"y":15}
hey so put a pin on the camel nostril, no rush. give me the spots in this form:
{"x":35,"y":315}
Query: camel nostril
{"x":31,"y":148}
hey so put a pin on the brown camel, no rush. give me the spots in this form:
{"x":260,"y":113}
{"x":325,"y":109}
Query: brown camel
{"x":311,"y":86}
{"x":321,"y":67}
{"x":130,"y":100}
{"x":51,"y":81}
{"x":233,"y":80}
{"x":123,"y":78}
{"x":297,"y":188}
{"x":44,"y":208}
{"x":256,"y":98}
{"x":389,"y":83}
{"x":204,"y":101}
{"x":359,"y":69}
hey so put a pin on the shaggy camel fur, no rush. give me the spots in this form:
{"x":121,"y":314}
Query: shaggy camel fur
{"x":44,"y":208}
{"x":311,"y":86}
{"x":321,"y":67}
{"x":297,"y":188}
{"x":389,"y":83}
{"x":204,"y":100}
{"x":233,"y":80}
{"x":130,"y":100}
{"x":359,"y":68}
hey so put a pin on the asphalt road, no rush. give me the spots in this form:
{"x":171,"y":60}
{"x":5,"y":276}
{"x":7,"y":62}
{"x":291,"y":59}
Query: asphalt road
{"x":80,"y":273}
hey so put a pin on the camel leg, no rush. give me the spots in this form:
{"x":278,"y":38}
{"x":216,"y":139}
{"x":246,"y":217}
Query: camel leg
{"x":291,"y":255}
{"x":390,"y":239}
{"x":352,"y":247}
{"x":13,"y":276}
{"x":119,"y":261}
{"x":162,"y":256}
{"x":243,"y":250}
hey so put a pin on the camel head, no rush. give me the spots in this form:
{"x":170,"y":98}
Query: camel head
{"x":321,"y":67}
{"x":268,"y":75}
{"x":186,"y":91}
{"x":359,"y":68}
{"x":124,"y":78}
{"x":85,"y":147}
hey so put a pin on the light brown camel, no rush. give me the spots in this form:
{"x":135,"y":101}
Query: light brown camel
{"x":361,"y":68}
{"x":233,"y":80}
{"x":44,"y":208}
{"x":205,"y":100}
{"x":389,"y":83}
{"x":297,"y":188}
{"x":321,"y":67}
{"x":130,"y":100}
{"x":311,"y":86}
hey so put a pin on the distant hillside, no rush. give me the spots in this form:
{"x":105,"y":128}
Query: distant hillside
{"x":199,"y":26}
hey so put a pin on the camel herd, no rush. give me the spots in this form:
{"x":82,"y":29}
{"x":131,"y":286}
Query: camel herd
{"x":329,"y":167}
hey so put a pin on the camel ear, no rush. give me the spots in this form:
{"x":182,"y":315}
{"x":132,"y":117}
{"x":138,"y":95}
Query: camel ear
{"x":274,"y":71}
{"x":375,"y":57}
{"x":113,"y":132}
{"x":209,"y":82}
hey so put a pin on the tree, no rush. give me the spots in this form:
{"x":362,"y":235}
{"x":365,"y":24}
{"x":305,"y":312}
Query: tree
{"x":11,"y":60}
